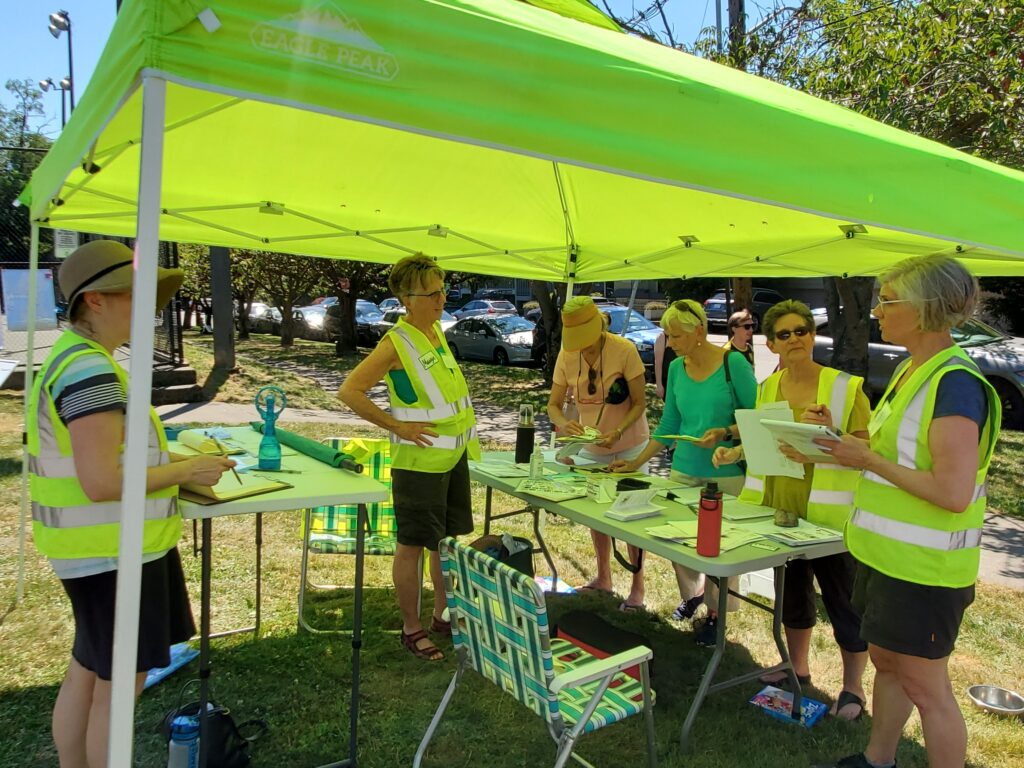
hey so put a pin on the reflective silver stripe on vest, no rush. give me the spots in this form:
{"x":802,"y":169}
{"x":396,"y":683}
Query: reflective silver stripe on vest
{"x":754,"y":483}
{"x":817,"y":496}
{"x":917,"y":535}
{"x":426,"y":377}
{"x":432,"y":414}
{"x":99,"y":513}
{"x":837,"y":398}
{"x":979,"y":490}
{"x":449,"y":442}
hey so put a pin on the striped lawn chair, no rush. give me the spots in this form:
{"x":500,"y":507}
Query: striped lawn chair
{"x":331,"y":530}
{"x":500,"y":629}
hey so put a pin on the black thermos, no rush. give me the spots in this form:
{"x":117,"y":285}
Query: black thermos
{"x":525,"y":433}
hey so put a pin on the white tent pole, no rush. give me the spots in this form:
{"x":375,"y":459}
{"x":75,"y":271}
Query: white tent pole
{"x":30,"y":361}
{"x":140,"y":376}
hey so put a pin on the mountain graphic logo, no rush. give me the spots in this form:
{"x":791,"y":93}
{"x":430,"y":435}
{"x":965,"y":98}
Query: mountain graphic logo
{"x":324,"y":35}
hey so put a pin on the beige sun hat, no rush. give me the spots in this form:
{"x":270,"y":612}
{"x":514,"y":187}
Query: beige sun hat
{"x":106,"y":266}
{"x":582,"y":323}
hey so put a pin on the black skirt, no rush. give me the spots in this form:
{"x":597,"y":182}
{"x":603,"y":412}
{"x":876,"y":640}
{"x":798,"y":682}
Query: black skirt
{"x":165,"y":616}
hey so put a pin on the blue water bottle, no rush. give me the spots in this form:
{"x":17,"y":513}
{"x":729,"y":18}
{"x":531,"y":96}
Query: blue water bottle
{"x":270,"y":401}
{"x":183,"y":748}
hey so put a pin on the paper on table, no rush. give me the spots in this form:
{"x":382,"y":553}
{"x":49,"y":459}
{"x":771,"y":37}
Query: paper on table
{"x":802,"y":436}
{"x":760,"y":448}
{"x":741,"y":510}
{"x":687,"y":438}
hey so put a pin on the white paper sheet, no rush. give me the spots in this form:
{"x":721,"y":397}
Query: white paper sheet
{"x":760,"y":448}
{"x":802,"y":436}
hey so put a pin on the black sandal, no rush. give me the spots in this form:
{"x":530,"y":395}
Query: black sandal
{"x":846,"y":698}
{"x":766,"y":679}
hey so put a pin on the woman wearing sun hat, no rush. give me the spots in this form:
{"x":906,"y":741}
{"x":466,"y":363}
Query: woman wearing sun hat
{"x":606,"y":376}
{"x":75,"y":429}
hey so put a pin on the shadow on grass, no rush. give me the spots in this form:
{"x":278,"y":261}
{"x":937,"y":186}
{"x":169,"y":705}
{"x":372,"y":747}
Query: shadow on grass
{"x":214,"y":381}
{"x":9,"y":467}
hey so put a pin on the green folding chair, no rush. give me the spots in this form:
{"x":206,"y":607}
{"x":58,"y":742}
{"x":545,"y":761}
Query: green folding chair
{"x":500,"y":629}
{"x":331,"y":530}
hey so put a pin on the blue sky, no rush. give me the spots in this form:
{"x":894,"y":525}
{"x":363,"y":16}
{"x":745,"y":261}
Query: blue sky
{"x":27,"y":50}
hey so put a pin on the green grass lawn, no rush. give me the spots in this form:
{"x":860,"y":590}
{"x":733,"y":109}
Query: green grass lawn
{"x":300,"y":683}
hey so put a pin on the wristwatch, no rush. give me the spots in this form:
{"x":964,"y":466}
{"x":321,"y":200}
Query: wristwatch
{"x":728,"y":434}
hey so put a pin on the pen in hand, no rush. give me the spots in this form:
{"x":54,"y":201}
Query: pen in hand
{"x":224,"y":453}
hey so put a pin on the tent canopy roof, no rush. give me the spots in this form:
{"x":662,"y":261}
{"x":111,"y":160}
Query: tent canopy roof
{"x":507,"y":140}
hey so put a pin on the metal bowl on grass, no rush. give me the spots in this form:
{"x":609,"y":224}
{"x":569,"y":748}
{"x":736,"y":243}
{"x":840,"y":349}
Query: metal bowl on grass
{"x":999,"y":701}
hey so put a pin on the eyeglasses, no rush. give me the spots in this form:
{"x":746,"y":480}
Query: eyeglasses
{"x":432,"y":296}
{"x":745,"y":326}
{"x":800,"y":332}
{"x":880,"y":303}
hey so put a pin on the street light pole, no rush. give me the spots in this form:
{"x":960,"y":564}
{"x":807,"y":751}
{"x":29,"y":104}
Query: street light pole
{"x":49,"y":85}
{"x":60,"y":21}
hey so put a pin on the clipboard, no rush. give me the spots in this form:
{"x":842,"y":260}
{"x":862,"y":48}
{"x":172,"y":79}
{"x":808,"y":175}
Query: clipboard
{"x":802,"y":436}
{"x":229,"y":489}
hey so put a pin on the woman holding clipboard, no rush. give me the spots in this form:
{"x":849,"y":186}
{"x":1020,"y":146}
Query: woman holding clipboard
{"x":825,"y":396}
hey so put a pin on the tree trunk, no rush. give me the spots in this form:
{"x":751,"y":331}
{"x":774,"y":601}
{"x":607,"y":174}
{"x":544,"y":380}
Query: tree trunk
{"x":346,"y":317}
{"x":851,"y":326}
{"x":742,"y":294}
{"x":551,"y":321}
{"x":287,"y":324}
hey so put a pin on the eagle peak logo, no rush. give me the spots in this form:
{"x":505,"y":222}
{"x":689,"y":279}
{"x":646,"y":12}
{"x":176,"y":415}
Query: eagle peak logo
{"x":324,"y":35}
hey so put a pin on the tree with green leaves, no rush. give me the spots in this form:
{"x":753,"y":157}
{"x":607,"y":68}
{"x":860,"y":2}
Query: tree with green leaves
{"x":16,"y":166}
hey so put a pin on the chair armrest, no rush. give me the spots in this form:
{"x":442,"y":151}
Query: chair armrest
{"x":601,"y":668}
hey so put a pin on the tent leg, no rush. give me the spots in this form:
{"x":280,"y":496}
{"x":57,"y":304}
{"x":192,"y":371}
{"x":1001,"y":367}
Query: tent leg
{"x":30,"y":349}
{"x":140,"y":372}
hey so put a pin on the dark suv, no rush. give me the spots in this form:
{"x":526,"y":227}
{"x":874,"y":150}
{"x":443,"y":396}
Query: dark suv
{"x":763,"y":300}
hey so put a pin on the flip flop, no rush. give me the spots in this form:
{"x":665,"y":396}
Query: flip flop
{"x":846,"y":698}
{"x":627,"y":607}
{"x":597,"y":590}
{"x":429,"y":652}
{"x":770,"y":678}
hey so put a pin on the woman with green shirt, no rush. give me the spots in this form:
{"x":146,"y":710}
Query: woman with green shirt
{"x":816,"y":395}
{"x":705,"y":387}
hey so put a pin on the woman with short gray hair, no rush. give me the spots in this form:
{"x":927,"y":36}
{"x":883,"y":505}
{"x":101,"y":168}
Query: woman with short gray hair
{"x":919,"y":508}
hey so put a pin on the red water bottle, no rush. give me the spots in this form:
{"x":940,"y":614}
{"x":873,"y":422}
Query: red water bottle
{"x":709,"y":522}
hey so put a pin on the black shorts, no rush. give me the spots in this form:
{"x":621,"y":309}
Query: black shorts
{"x":908,"y":618}
{"x":165,"y":617}
{"x":835,"y":575}
{"x":432,"y":505}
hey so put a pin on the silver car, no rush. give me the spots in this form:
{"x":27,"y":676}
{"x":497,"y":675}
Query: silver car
{"x":491,"y":307}
{"x":999,"y":357}
{"x":502,"y":339}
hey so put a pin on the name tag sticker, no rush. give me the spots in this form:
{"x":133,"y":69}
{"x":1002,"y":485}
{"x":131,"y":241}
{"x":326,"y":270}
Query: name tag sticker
{"x":879,"y":417}
{"x":428,"y":360}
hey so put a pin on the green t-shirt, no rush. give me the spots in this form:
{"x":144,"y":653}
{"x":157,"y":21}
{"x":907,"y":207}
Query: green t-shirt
{"x":403,"y":386}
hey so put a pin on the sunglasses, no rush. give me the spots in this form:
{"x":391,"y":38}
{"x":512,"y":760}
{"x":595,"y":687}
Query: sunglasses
{"x":745,"y":326}
{"x":784,"y":335}
{"x":591,"y":382}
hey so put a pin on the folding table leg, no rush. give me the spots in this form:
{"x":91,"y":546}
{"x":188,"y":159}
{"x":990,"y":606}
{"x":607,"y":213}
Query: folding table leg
{"x":712,"y":667}
{"x":254,"y":628}
{"x":204,"y":639}
{"x":780,"y":642}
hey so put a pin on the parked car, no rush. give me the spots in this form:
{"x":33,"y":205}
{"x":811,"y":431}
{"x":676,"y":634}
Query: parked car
{"x":641,"y":331}
{"x":503,"y":339}
{"x":763,"y":300}
{"x":264,"y":318}
{"x":486,"y":307}
{"x":999,"y":357}
{"x":309,"y":322}
{"x":367,"y":318}
{"x":391,"y":303}
{"x":390,"y":317}
{"x":496,"y":294}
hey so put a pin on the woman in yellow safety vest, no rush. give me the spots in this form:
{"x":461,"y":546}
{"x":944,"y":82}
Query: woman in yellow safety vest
{"x":75,"y":434}
{"x":433,"y":434}
{"x":816,"y":395}
{"x":919,"y":508}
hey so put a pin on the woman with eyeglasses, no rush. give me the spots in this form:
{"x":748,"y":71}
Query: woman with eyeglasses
{"x":741,"y":334}
{"x":705,"y":387}
{"x":433,"y":433}
{"x":816,"y":395}
{"x":919,"y":508}
{"x":606,"y":375}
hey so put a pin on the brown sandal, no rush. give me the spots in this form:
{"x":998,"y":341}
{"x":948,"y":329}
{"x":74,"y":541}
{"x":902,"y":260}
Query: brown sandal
{"x":440,"y":627}
{"x":429,"y":652}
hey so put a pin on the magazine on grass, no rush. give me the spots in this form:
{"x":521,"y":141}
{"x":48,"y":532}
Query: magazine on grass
{"x":779,"y":704}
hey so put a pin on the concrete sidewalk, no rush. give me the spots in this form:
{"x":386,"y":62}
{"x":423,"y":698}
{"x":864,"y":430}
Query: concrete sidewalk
{"x":1002,"y":548}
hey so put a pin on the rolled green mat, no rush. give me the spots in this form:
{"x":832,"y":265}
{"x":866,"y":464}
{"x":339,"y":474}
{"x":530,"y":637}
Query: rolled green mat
{"x":312,"y":448}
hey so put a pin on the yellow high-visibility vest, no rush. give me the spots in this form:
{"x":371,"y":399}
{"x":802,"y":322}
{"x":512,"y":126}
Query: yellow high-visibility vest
{"x":442,"y":397}
{"x":832,"y":487}
{"x":902,"y":535}
{"x":65,"y":522}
